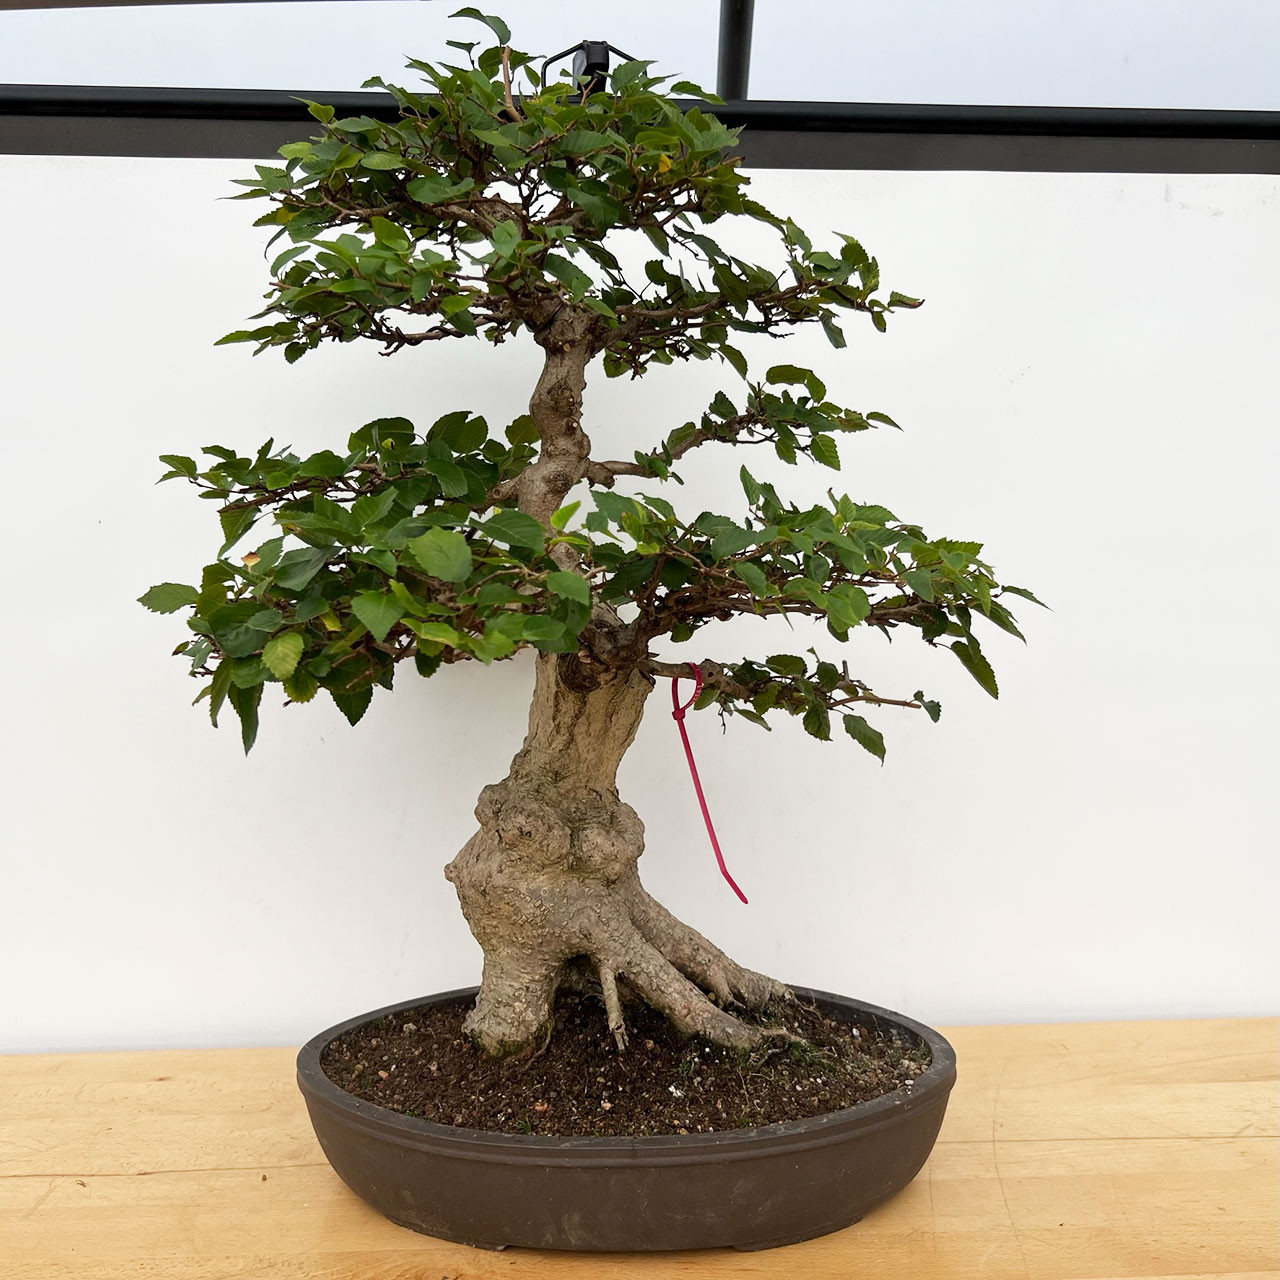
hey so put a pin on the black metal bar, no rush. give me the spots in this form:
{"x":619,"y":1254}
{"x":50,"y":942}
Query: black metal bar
{"x":733,"y":60}
{"x":252,"y":123}
{"x":1077,"y":122}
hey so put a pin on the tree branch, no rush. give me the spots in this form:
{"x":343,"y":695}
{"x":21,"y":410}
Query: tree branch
{"x":714,"y":676}
{"x":727,"y":432}
{"x":512,"y":110}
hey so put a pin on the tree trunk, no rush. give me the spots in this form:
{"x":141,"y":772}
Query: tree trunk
{"x":550,"y":880}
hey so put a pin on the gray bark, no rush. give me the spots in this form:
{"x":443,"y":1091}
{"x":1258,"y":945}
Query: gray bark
{"x":550,"y":880}
{"x":549,"y":883}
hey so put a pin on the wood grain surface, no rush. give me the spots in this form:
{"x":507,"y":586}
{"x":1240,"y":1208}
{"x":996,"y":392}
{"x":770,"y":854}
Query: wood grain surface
{"x":1074,"y":1151}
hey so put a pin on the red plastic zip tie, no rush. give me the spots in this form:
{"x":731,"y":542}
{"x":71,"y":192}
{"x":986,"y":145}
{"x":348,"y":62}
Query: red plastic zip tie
{"x":677,"y":714}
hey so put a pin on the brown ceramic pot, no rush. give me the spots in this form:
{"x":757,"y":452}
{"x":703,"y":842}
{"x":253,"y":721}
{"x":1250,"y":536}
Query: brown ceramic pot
{"x":745,"y":1188}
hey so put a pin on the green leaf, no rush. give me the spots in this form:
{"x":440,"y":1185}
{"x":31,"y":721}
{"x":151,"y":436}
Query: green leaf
{"x":920,"y":582}
{"x":853,"y":253}
{"x":235,"y":637}
{"x":696,"y":91}
{"x":505,"y":236}
{"x":378,"y":610}
{"x":601,"y":208}
{"x":281,"y":654}
{"x":847,"y":605}
{"x":326,"y":465}
{"x":265,"y":620}
{"x":571,"y":586}
{"x":581,"y":142}
{"x":932,"y":709}
{"x":790,"y":374}
{"x":353,"y":703}
{"x":443,"y":553}
{"x":827,"y":674}
{"x":561,"y":517}
{"x":427,"y":664}
{"x":754,"y":577}
{"x":460,"y":431}
{"x":246,"y":672}
{"x":298,"y":567}
{"x":817,"y":722}
{"x":268,"y":554}
{"x":452,"y":480}
{"x":168,"y":597}
{"x":321,"y":112}
{"x":573,"y":278}
{"x":218,"y":689}
{"x":496,"y":25}
{"x":387,"y":232}
{"x":492,"y":646}
{"x":825,"y":450}
{"x":301,"y":686}
{"x":246,"y":702}
{"x":786,"y":664}
{"x":436,"y":632}
{"x":235,"y":524}
{"x":515,"y":528}
{"x":382,"y":160}
{"x":1025,"y":594}
{"x":373,"y":507}
{"x":522,"y":431}
{"x":732,"y":356}
{"x":976,"y":664}
{"x":731,"y":540}
{"x":179,"y":463}
{"x":865,"y":736}
{"x":435,"y":188}
{"x":1004,"y":619}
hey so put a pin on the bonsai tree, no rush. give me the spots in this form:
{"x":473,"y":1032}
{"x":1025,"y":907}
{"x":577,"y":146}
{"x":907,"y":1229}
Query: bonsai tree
{"x":483,"y":214}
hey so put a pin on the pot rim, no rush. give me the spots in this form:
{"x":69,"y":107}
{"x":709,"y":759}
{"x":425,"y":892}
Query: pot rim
{"x":929,"y":1089}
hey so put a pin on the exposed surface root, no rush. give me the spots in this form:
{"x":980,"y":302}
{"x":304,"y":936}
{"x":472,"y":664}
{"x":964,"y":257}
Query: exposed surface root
{"x":596,"y":934}
{"x":697,"y":958}
{"x":550,"y":888}
{"x":613,"y":1006}
{"x":661,"y":984}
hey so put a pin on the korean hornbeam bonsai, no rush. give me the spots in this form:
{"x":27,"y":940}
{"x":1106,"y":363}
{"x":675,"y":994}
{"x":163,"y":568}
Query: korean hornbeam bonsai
{"x":490,"y":209}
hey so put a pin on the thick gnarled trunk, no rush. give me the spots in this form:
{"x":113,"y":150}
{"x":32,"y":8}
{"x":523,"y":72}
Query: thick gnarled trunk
{"x":550,"y":880}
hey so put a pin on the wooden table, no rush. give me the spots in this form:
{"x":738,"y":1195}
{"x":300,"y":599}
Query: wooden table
{"x":1106,"y":1150}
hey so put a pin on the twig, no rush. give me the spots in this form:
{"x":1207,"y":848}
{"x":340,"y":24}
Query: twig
{"x":512,"y":109}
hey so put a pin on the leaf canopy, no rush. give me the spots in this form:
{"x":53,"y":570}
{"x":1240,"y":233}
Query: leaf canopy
{"x":489,"y":207}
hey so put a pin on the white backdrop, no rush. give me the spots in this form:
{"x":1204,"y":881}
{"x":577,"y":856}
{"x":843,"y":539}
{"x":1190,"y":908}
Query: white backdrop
{"x":1090,"y":389}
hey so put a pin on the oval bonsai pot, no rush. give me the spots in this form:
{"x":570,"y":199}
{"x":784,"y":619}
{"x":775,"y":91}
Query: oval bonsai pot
{"x":744,"y":1188}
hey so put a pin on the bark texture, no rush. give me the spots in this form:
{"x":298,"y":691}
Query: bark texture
{"x":549,"y":884}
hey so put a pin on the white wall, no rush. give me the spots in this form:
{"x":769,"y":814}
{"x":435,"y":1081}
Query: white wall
{"x":1091,"y":389}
